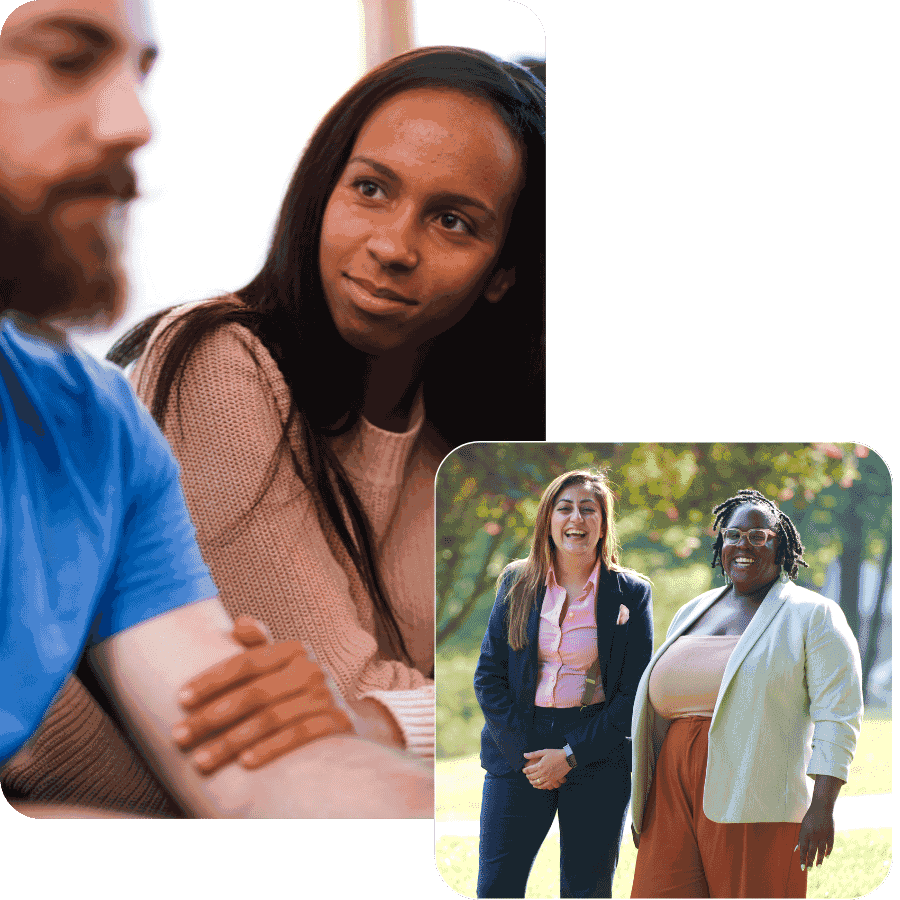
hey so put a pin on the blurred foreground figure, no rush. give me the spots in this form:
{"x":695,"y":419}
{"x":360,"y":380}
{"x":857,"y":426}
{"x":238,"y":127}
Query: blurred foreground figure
{"x":99,"y":567}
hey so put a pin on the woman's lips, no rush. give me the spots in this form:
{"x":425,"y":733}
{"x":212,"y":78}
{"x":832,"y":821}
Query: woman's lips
{"x":371,"y":298}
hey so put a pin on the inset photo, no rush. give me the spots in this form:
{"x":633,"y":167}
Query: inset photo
{"x":663,"y":670}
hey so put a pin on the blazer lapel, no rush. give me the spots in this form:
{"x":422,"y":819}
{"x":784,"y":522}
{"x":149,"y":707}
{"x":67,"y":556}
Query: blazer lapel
{"x":761,"y":620}
{"x":530,"y":654}
{"x":609,"y":596}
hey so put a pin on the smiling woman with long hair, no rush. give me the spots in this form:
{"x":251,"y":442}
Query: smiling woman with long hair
{"x":399,"y":313}
{"x":569,"y":635}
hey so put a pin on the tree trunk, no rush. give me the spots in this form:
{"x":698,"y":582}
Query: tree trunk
{"x":876,"y":622}
{"x":851,"y":559}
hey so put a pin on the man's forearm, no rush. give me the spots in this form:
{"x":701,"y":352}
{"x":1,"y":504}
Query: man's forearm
{"x":340,"y":776}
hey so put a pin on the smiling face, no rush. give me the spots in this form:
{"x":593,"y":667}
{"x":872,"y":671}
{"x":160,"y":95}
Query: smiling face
{"x":750,"y":567}
{"x":414,"y":227}
{"x":576,"y":522}
{"x":70,"y":118}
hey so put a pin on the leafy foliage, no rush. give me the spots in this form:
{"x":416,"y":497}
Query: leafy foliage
{"x":839,"y":495}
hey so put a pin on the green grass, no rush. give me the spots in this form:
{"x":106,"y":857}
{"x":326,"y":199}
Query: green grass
{"x":859,"y":863}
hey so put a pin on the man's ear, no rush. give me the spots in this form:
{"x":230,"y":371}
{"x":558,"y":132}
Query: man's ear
{"x":501,"y":281}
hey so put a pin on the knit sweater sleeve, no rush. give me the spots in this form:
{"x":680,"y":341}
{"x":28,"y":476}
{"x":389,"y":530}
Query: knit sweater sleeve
{"x":267,"y":552}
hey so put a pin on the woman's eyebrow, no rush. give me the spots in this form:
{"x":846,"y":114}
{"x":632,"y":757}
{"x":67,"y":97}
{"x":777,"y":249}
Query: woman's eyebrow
{"x":380,"y":168}
{"x":442,"y":197}
{"x":465,"y":200}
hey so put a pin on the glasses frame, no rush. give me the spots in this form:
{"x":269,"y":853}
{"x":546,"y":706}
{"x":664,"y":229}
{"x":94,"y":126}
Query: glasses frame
{"x":745,"y":533}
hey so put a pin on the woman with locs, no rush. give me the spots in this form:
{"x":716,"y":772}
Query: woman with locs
{"x":569,"y":635}
{"x":755,"y":692}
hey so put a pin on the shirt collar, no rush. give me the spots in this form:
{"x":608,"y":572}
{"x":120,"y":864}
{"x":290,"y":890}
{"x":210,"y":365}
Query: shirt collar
{"x":552,"y":583}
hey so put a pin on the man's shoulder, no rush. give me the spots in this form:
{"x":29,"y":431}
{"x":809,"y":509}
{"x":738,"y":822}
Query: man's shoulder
{"x":85,"y":408}
{"x":61,"y":373}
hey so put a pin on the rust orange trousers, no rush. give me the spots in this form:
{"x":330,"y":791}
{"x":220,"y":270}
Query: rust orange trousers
{"x":682,"y":853}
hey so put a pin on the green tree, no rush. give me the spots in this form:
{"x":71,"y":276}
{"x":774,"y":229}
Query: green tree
{"x":838,"y":494}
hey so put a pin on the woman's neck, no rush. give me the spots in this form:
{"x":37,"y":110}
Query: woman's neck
{"x":573,"y":569}
{"x":391,"y":383}
{"x":756,"y":597}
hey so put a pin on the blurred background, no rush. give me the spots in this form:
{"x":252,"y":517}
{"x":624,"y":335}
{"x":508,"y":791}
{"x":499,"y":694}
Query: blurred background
{"x":234,"y":99}
{"x":838,"y":496}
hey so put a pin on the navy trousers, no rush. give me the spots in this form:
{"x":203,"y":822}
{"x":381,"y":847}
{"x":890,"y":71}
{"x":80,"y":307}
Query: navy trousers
{"x":516,"y":817}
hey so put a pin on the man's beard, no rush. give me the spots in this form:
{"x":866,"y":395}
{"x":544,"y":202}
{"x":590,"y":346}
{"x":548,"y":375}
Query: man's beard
{"x":51,"y":273}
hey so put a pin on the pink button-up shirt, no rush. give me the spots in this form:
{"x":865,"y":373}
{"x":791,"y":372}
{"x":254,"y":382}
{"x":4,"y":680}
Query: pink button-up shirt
{"x":567,"y":649}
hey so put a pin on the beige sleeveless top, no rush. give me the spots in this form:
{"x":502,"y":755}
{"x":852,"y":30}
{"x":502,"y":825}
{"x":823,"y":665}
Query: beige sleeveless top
{"x":686,"y":679}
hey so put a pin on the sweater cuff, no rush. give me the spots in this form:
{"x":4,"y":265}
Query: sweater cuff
{"x":414,"y":713}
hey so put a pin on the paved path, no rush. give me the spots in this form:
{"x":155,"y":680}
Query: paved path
{"x":867,"y":811}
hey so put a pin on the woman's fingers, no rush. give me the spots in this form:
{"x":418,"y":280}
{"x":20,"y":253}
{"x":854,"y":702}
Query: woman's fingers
{"x":238,"y":669}
{"x":825,"y":847}
{"x":300,"y":677}
{"x":287,"y":739}
{"x":816,"y":839}
{"x":548,"y":784}
{"x":274,"y":731}
{"x":250,"y":632}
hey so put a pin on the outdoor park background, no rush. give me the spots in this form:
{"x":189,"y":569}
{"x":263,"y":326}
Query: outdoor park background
{"x":839,"y":497}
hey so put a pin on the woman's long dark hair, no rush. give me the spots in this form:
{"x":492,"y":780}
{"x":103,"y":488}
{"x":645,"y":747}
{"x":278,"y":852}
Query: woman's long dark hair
{"x":484,"y":377}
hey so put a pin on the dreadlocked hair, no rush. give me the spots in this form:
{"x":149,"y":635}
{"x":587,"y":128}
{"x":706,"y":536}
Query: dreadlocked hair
{"x":789,"y":554}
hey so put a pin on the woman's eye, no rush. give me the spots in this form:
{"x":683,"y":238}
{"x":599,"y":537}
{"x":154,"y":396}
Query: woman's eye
{"x":367,"y":188}
{"x":452,"y":222}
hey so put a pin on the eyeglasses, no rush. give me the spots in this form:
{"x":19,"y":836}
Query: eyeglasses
{"x":756,"y":536}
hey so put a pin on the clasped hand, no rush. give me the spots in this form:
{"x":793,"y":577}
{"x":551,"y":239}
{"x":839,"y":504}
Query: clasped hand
{"x":547,"y":769}
{"x":257,"y":705}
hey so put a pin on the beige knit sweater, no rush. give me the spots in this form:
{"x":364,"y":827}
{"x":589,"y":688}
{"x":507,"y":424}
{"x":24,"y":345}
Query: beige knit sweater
{"x":277,"y":563}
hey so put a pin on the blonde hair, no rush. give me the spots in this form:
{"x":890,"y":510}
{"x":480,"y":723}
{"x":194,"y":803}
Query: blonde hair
{"x":528,"y":575}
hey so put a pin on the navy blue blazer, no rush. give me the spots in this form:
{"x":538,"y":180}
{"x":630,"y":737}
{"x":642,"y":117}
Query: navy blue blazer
{"x":506,"y":679}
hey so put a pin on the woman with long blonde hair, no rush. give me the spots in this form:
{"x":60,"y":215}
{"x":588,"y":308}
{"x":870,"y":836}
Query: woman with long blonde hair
{"x":568,"y":639}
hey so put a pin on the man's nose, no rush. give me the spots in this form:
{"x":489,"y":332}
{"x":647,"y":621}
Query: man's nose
{"x":121,"y":120}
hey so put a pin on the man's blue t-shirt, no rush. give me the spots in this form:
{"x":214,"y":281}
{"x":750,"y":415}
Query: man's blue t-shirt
{"x":95,"y":535}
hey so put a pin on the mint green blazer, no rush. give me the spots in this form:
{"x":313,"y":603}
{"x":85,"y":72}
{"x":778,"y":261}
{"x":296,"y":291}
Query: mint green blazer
{"x":790,"y":706}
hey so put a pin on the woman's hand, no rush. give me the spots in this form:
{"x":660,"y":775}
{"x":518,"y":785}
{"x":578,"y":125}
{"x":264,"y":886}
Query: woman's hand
{"x":547,"y":769}
{"x":817,"y":829}
{"x":257,"y":705}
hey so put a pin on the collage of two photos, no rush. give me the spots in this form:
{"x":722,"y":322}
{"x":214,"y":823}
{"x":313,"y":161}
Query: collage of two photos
{"x":294,"y":315}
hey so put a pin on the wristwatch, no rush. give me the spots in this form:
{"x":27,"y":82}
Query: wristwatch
{"x":570,"y":756}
